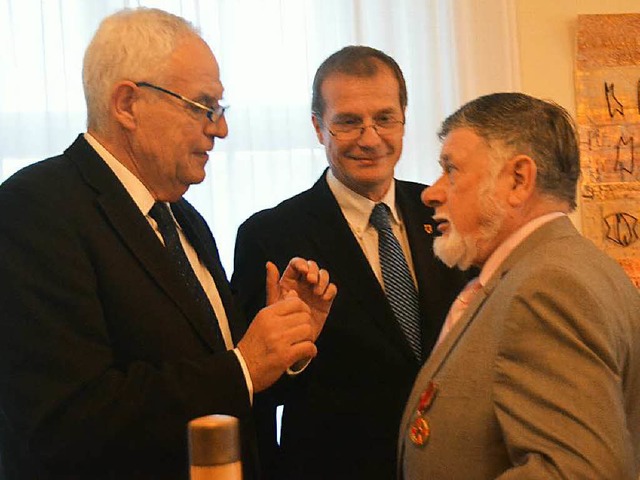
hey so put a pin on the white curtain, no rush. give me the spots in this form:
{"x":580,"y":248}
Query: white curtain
{"x":268,"y":50}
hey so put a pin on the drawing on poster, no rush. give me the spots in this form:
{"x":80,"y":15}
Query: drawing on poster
{"x":608,"y":120}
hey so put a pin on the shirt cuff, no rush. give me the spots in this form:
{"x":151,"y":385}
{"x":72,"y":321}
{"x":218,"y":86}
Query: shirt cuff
{"x":247,"y":377}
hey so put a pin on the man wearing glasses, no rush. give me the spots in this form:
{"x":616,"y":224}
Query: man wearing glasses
{"x":342,"y":413}
{"x":117,"y":323}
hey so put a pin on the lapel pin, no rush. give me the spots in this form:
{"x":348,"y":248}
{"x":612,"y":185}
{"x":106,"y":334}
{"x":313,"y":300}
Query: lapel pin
{"x":420,"y":431}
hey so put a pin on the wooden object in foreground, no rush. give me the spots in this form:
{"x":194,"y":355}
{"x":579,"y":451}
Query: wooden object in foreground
{"x":214,"y":448}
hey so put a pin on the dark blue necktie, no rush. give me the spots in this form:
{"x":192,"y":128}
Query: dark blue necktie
{"x":167,"y":226}
{"x":398,"y":283}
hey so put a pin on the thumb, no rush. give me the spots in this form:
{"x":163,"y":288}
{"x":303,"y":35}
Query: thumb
{"x":272,"y":286}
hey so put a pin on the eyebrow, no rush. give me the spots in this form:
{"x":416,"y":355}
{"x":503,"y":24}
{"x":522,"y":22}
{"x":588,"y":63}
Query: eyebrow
{"x":207,"y":99}
{"x":388,"y":110}
{"x":346,"y":115}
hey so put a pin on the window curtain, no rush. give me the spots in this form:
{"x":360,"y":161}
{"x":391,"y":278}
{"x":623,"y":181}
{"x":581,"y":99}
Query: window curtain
{"x":268,"y":50}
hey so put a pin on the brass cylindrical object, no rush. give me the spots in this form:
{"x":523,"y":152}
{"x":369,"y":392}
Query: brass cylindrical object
{"x":214,"y":448}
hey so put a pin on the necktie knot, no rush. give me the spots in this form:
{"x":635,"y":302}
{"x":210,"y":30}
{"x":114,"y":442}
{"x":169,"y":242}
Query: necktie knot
{"x":469,"y":291}
{"x":161,"y":214}
{"x":167,"y":226}
{"x":380,"y":217}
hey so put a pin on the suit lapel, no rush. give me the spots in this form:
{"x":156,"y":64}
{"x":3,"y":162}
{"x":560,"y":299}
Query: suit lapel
{"x":442,"y":351}
{"x":347,"y":263}
{"x":436,"y":360}
{"x":131,"y":226}
{"x":553,"y":229}
{"x":420,"y":228}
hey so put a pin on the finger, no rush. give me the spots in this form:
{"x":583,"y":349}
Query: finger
{"x":272,"y":287}
{"x":297,"y":267}
{"x":330,"y":293}
{"x":312,"y":272}
{"x":295,"y":271}
{"x":288,"y":331}
{"x":298,"y":333}
{"x":302,"y":351}
{"x":323,"y":282}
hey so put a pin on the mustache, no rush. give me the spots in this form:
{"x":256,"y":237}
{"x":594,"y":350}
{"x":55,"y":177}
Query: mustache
{"x":439,"y":218}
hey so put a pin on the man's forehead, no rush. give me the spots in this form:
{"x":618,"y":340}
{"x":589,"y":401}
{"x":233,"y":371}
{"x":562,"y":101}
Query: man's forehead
{"x":461,"y":143}
{"x":345,"y":86}
{"x":200,"y":84}
{"x":193,"y":58}
{"x":462,"y":136}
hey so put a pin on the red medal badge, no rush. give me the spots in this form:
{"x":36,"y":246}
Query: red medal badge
{"x":420,"y":430}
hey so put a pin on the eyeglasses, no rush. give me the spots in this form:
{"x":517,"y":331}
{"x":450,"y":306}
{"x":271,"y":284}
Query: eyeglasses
{"x":351,"y":130}
{"x":213,"y":114}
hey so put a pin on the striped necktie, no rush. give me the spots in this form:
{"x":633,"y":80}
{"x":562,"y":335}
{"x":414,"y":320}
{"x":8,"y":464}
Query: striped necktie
{"x":398,"y":282}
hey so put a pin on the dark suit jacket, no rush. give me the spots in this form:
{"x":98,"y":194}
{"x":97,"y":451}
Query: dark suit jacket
{"x":342,"y":413}
{"x":104,"y":357}
{"x":540,"y":377}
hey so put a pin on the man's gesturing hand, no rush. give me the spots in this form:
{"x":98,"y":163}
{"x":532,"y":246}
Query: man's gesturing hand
{"x":310,"y":283}
{"x":279,"y":336}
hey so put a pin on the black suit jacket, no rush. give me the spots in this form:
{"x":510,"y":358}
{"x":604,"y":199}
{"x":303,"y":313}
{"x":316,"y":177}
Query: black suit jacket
{"x":104,"y":357}
{"x":342,"y":413}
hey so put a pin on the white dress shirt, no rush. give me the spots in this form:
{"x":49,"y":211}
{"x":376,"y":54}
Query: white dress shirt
{"x":357,"y":211}
{"x":144,"y":200}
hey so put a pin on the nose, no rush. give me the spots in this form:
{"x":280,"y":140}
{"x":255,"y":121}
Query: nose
{"x":435,"y":195}
{"x":218,"y":129}
{"x":369,"y":135}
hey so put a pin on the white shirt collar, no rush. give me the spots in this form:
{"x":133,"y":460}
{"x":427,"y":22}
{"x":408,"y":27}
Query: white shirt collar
{"x":356,"y":208}
{"x":139,"y":193}
{"x":516,"y":238}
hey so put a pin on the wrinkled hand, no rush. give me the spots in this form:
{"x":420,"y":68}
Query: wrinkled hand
{"x":280,"y":335}
{"x":311,"y":285}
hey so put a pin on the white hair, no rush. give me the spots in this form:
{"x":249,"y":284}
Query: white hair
{"x":131,"y":44}
{"x":462,"y":250}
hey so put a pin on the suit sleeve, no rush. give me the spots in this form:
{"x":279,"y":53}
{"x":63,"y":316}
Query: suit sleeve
{"x":249,"y":287}
{"x":69,"y":397}
{"x":558,"y":387}
{"x":249,"y":271}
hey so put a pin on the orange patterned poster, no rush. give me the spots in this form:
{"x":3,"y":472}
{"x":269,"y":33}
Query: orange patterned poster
{"x":608,"y":118}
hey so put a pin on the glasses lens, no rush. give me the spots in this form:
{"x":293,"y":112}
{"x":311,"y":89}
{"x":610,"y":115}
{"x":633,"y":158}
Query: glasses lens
{"x":351,"y":132}
{"x":389,"y":127}
{"x":347,"y":134}
{"x":217,"y":113}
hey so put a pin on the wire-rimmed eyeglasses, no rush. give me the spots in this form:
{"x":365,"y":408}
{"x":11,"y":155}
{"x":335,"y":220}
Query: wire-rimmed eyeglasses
{"x":351,"y":130}
{"x":213,"y":114}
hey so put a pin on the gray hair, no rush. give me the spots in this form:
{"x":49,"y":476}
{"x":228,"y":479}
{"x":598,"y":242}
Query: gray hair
{"x":515,"y":123}
{"x":131,"y":44}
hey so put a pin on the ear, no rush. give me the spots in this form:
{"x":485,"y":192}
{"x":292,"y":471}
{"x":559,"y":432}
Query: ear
{"x":318,"y":128}
{"x":123,"y":103}
{"x":523,"y":180}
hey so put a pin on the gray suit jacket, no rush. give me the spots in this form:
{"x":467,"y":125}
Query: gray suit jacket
{"x":540,"y":378}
